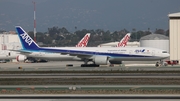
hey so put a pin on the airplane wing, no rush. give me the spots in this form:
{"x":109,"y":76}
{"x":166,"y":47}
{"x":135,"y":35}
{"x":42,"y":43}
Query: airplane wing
{"x":78,"y":54}
{"x":81,"y":56}
{"x":72,"y":52}
{"x":75,"y":54}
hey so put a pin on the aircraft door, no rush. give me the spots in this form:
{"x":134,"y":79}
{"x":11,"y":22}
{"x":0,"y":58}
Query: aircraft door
{"x":9,"y":53}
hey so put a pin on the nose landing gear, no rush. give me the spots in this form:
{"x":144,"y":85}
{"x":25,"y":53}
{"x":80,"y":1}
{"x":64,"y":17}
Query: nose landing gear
{"x":157,"y":64}
{"x":161,"y":63}
{"x":88,"y":65}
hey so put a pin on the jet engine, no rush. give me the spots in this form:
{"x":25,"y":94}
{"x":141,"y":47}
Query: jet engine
{"x":21,"y":58}
{"x":101,"y":60}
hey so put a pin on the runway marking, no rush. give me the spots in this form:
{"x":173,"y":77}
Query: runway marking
{"x":134,"y":88}
{"x":95,"y":68}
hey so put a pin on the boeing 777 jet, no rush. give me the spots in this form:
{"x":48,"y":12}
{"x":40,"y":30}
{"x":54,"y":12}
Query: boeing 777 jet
{"x":98,"y":55}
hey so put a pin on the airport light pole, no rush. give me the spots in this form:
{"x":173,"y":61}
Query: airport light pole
{"x":34,"y":3}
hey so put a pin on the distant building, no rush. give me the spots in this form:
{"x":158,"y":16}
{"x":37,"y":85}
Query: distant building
{"x":9,"y":41}
{"x":156,"y":41}
{"x":174,"y":36}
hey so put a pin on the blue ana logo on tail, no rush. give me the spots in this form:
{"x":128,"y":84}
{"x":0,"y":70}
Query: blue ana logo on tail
{"x":27,"y":39}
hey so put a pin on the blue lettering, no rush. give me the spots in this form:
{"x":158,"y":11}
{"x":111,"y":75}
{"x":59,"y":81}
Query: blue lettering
{"x":139,"y":50}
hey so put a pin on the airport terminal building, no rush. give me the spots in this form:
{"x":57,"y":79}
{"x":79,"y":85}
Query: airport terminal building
{"x":174,"y":36}
{"x":9,"y":40}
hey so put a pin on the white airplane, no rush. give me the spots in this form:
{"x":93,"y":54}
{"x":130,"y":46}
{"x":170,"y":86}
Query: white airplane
{"x":123,"y":41}
{"x":98,"y":55}
{"x":7,"y":54}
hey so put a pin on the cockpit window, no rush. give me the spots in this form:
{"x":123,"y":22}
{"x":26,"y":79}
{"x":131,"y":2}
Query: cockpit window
{"x":164,"y":51}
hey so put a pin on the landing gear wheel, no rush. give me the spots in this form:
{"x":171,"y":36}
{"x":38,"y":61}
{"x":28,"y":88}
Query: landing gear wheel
{"x":157,"y":64}
{"x":89,"y":65}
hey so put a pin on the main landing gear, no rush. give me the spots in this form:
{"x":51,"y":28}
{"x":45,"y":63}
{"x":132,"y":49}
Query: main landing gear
{"x":89,"y":65}
{"x":161,"y":63}
{"x":157,"y":64}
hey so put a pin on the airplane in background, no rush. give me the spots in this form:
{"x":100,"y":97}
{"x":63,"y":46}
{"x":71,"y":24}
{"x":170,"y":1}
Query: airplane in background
{"x":7,"y":54}
{"x":124,"y":40}
{"x":84,"y":41}
{"x":98,"y":55}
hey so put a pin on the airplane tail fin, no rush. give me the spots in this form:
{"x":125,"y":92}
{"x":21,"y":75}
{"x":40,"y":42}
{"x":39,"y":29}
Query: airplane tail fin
{"x":124,"y":40}
{"x":26,"y":41}
{"x":84,"y":41}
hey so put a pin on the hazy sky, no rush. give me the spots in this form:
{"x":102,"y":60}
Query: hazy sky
{"x":88,"y":14}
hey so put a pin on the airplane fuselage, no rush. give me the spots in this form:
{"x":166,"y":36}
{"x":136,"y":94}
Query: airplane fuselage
{"x":116,"y":54}
{"x":121,"y":54}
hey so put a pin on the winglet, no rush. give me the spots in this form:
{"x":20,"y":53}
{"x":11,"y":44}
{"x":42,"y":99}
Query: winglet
{"x":124,"y":40}
{"x":84,"y":41}
{"x":26,"y":41}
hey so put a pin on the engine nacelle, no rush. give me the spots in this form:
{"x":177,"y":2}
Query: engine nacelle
{"x":21,"y":58}
{"x":115,"y":62}
{"x":101,"y":60}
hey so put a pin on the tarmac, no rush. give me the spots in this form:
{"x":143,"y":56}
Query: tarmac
{"x":62,"y":65}
{"x":90,"y":97}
